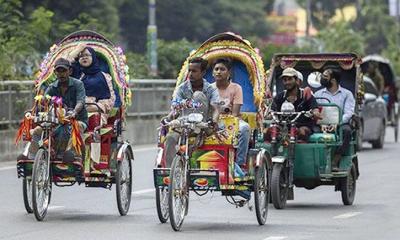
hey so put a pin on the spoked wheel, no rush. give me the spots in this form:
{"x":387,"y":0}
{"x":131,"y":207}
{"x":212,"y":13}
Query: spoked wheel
{"x":41,"y":184}
{"x":162,"y":204}
{"x":348,"y":186}
{"x":27,"y":194}
{"x":279,"y":186}
{"x":123,"y":181}
{"x":179,"y":193}
{"x":261,"y":192}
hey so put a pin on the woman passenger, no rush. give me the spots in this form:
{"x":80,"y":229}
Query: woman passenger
{"x":98,"y":85}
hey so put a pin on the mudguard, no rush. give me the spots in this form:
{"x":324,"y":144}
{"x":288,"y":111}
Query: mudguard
{"x":122,"y":149}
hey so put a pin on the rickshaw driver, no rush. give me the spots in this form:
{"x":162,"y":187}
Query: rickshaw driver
{"x":301,"y":101}
{"x":199,"y":90}
{"x":346,"y":102}
{"x":73,"y":94}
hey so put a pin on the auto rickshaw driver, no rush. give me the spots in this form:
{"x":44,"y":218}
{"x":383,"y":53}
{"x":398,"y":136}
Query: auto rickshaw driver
{"x":301,"y":101}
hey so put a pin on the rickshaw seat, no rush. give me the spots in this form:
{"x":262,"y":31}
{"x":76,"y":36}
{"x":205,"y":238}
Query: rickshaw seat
{"x":322,"y":137}
{"x":330,"y":116}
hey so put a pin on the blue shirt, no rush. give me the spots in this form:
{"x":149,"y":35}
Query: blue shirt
{"x":75,"y":93}
{"x":185,"y":91}
{"x":342,"y":97}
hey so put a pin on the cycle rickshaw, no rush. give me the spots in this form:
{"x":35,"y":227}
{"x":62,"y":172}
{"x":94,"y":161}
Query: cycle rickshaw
{"x":308,"y":164}
{"x":210,"y":167}
{"x":106,"y":156}
{"x":389,"y":88}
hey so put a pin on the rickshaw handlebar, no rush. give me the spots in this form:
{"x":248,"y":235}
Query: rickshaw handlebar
{"x":296,"y":114}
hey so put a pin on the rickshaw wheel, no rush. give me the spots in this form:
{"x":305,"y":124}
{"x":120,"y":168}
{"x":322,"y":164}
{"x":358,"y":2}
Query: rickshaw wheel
{"x":123,"y":183}
{"x":178,"y":197}
{"x":27,"y":194}
{"x":348,"y":186}
{"x":261,"y":192}
{"x":41,"y":184}
{"x":279,"y":186}
{"x":162,"y":204}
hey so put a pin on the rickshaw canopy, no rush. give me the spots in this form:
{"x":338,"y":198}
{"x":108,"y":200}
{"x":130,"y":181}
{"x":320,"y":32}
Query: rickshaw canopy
{"x":247,"y":70}
{"x":112,"y":61}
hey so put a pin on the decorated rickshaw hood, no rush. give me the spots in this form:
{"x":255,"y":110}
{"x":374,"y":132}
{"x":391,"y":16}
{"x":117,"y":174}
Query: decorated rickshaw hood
{"x":345,"y":60}
{"x":111,"y":54}
{"x":234,"y":46}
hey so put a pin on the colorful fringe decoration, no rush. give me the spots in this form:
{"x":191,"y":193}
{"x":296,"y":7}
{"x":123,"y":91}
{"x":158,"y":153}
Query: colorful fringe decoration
{"x":24,"y":129}
{"x":76,"y":137}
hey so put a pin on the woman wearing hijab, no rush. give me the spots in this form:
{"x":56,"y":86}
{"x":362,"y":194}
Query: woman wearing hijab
{"x":98,"y":85}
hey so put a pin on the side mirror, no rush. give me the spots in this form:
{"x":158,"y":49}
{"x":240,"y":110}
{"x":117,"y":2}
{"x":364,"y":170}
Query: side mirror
{"x":369,"y":97}
{"x":314,"y":79}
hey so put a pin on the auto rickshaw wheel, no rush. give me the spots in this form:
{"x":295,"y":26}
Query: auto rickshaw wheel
{"x":348,"y":186}
{"x":27,"y":194}
{"x":178,"y":190}
{"x":261,"y":192}
{"x":378,"y":144}
{"x":360,"y":137}
{"x":162,"y":204}
{"x":41,"y":184}
{"x":279,"y":186}
{"x":123,"y":183}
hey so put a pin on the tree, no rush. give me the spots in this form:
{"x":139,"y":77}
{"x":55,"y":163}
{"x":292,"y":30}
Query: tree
{"x":19,"y":38}
{"x":197,"y":20}
{"x":340,"y":37}
{"x":323,"y":10}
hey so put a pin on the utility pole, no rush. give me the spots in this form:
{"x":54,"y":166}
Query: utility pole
{"x":152,"y":39}
{"x":308,"y":18}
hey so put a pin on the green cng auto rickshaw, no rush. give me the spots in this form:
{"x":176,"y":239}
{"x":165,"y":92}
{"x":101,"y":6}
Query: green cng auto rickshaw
{"x":308,"y":164}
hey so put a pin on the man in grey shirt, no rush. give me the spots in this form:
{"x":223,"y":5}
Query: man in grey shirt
{"x":346,"y":102}
{"x":198,"y":89}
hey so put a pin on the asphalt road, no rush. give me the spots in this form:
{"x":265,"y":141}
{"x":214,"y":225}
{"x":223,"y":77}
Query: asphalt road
{"x":87,"y":213}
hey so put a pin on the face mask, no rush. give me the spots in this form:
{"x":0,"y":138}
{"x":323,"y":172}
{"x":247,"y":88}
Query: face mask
{"x":326,"y":83}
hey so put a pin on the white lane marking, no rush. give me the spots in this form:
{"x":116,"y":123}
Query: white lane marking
{"x":276,"y":238}
{"x":347,"y":215}
{"x":55,"y":207}
{"x":7,"y":168}
{"x":143,"y":191}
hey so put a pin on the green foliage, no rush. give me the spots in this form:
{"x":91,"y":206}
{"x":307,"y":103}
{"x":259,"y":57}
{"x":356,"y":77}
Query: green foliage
{"x":171,"y":56}
{"x":83,"y":21}
{"x":268,"y":51}
{"x":323,"y":10}
{"x":138,"y":66}
{"x":340,"y":37}
{"x":20,"y":38}
{"x":197,"y":20}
